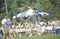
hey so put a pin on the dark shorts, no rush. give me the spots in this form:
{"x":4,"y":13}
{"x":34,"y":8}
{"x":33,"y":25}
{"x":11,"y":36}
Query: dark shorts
{"x":1,"y":32}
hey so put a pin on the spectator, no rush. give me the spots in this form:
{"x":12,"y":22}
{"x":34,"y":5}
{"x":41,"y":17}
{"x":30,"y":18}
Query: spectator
{"x":1,"y":30}
{"x":43,"y":29}
{"x":49,"y":29}
{"x":6,"y":23}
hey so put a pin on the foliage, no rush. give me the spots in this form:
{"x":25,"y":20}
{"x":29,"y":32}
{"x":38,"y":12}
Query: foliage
{"x":21,"y":5}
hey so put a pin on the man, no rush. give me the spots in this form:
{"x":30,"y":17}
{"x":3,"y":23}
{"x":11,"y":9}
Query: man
{"x":6,"y":23}
{"x":1,"y":31}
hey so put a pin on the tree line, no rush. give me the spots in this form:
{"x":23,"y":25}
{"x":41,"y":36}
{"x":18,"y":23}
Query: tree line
{"x":21,"y":5}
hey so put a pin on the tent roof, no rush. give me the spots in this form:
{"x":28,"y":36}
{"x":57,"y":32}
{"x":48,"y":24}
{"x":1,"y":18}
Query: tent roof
{"x":26,"y":13}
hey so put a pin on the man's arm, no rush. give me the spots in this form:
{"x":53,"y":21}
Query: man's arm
{"x":3,"y":23}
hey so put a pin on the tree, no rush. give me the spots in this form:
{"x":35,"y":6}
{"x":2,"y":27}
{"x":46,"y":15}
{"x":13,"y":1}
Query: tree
{"x":2,"y":6}
{"x":44,"y":5}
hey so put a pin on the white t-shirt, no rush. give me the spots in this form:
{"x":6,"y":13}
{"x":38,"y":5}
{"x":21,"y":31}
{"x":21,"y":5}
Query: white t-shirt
{"x":49,"y":28}
{"x":6,"y":22}
{"x":43,"y":29}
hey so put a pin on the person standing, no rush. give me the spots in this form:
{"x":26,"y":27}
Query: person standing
{"x":1,"y":31}
{"x":6,"y":23}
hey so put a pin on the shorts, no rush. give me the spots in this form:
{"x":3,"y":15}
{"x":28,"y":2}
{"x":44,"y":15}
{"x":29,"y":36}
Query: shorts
{"x":6,"y":29}
{"x":1,"y":32}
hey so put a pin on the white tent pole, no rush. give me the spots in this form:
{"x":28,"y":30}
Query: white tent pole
{"x":6,"y":7}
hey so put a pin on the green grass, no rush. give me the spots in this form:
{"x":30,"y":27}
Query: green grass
{"x":39,"y":37}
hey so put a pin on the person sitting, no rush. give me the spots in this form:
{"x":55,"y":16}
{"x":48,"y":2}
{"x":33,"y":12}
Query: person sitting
{"x":43,"y":29}
{"x":12,"y":33}
{"x":49,"y":29}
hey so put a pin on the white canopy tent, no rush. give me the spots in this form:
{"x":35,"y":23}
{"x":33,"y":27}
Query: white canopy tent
{"x":30,"y":12}
{"x":43,"y":13}
{"x":26,"y":13}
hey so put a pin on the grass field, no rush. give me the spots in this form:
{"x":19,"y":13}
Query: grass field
{"x":39,"y":37}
